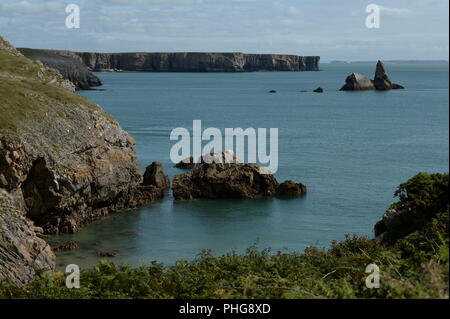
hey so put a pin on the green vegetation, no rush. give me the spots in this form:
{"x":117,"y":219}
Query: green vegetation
{"x":414,"y":266}
{"x":29,"y":92}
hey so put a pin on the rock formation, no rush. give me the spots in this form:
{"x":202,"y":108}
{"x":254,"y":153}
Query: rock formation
{"x":318,"y":90}
{"x":63,"y":163}
{"x":381,"y":82}
{"x":291,"y":189}
{"x":221,"y":157}
{"x":191,"y":61}
{"x":357,"y":82}
{"x":154,"y":176}
{"x":233,"y":180}
{"x":70,"y":67}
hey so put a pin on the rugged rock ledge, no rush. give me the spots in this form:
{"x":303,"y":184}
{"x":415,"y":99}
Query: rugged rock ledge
{"x":231,"y":181}
{"x":381,"y":81}
{"x":190,"y":61}
{"x":70,"y":67}
{"x":63,"y":163}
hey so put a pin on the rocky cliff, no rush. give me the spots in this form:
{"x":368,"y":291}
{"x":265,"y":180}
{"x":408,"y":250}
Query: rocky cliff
{"x":63,"y":162}
{"x":71,"y":67}
{"x":187,"y":62}
{"x":197,"y":62}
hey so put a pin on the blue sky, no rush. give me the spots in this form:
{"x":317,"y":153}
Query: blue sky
{"x":335,"y":30}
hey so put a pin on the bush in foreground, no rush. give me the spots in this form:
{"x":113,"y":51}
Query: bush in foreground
{"x":414,"y":266}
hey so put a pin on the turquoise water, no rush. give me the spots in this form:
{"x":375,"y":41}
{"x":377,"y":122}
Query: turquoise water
{"x":350,"y":148}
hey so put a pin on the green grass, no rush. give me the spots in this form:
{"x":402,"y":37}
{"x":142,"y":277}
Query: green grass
{"x":414,"y":266}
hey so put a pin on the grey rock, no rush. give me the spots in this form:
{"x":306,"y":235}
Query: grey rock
{"x":357,"y":82}
{"x":70,"y":67}
{"x":381,"y":80}
{"x":191,"y":61}
{"x":231,"y":180}
{"x":154,"y":175}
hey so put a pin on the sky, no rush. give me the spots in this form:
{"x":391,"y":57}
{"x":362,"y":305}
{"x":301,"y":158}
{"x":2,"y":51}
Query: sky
{"x":335,"y":30}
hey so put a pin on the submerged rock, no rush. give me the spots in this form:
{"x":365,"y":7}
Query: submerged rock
{"x":228,"y":181}
{"x":291,"y":189}
{"x":68,"y":245}
{"x":272,"y":91}
{"x":105,"y":253}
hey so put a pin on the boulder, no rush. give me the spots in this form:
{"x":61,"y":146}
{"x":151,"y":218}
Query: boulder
{"x":154,"y":175}
{"x":357,"y":82}
{"x":68,"y":245}
{"x":291,"y":189}
{"x":221,"y":157}
{"x":231,"y":181}
{"x":224,"y":181}
{"x":381,"y":82}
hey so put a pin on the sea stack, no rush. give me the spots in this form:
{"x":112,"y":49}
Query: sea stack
{"x":381,"y":82}
{"x":358,"y":82}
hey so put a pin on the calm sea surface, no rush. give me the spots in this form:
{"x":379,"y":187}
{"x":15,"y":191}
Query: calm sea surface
{"x":350,"y":148}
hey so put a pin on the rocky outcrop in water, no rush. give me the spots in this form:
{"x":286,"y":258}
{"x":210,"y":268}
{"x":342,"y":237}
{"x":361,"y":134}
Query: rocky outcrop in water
{"x":231,"y":181}
{"x":358,"y":82}
{"x":190,"y":61}
{"x":69,"y":66}
{"x":63,"y":163}
{"x":221,"y":157}
{"x":381,"y":82}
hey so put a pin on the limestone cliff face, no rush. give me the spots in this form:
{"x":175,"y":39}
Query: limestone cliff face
{"x":192,"y":62}
{"x":63,"y":162}
{"x":70,"y":66}
{"x":197,"y":62}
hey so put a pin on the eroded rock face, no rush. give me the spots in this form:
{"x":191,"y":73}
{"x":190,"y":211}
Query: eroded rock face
{"x":381,"y":82}
{"x":357,"y":82}
{"x":223,"y":181}
{"x":71,"y":67}
{"x":231,"y":181}
{"x":63,"y":163}
{"x":154,"y":176}
{"x":22,"y":252}
{"x":220,"y":157}
{"x":291,"y":189}
{"x":190,"y":61}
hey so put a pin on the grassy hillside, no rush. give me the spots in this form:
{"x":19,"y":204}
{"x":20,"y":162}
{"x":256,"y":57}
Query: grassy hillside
{"x":413,"y":266}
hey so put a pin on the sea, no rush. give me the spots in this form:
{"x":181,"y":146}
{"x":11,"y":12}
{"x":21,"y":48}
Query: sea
{"x":351,"y":149}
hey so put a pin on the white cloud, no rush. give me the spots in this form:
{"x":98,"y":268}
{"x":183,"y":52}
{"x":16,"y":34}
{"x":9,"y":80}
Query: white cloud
{"x":26,"y":8}
{"x":397,"y":12}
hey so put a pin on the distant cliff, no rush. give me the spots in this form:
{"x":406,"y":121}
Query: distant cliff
{"x":197,"y":62}
{"x":181,"y":62}
{"x":70,"y":66}
{"x":63,"y":163}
